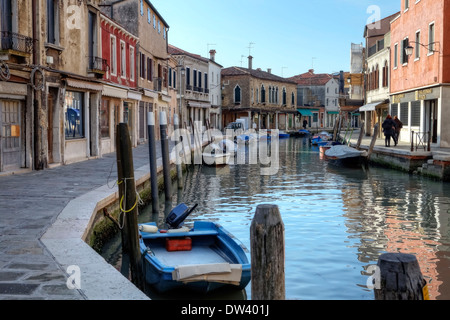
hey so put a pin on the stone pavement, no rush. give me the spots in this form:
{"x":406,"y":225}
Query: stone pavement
{"x":30,"y":204}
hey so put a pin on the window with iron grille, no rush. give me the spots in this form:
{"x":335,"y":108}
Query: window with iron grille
{"x":404,"y":112}
{"x":415,"y":113}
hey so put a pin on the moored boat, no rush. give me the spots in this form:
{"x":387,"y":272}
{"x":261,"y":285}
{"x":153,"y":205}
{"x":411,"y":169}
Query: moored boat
{"x":345,"y":155}
{"x":202,"y":259}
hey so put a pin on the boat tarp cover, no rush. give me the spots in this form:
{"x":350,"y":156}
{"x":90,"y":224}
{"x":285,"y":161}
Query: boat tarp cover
{"x":217,"y":272}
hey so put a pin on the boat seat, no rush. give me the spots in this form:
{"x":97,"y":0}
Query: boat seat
{"x":180,"y":234}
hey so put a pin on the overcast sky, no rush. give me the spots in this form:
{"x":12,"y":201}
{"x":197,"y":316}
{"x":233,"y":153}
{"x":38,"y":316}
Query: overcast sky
{"x":288,"y":36}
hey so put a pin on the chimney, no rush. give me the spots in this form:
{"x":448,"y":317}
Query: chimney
{"x":250,"y":60}
{"x":311,"y":70}
{"x":269,"y":70}
{"x":212,"y":54}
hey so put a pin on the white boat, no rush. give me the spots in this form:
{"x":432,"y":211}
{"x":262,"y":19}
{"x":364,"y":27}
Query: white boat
{"x":345,"y":155}
{"x":213,"y":155}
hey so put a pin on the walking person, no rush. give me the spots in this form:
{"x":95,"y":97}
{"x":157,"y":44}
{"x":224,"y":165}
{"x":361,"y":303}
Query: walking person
{"x":389,"y":130}
{"x":398,"y":127}
{"x":305,"y":123}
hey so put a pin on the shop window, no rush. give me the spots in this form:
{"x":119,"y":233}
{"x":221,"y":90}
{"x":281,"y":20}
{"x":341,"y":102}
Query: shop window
{"x":74,"y":115}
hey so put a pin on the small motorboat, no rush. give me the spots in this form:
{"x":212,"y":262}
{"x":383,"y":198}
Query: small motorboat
{"x":214,"y":155}
{"x":283,"y":135}
{"x":303,"y":132}
{"x":345,"y":155}
{"x":203,"y":259}
{"x":321,"y":137}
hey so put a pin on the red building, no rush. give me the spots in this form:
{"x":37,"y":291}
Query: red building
{"x":420,"y":70}
{"x":120,"y":96}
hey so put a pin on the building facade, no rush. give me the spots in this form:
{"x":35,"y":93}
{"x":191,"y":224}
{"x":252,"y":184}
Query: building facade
{"x":195,"y":95}
{"x":266,"y":100}
{"x":419,"y":73}
{"x":215,"y":91}
{"x":377,"y":73}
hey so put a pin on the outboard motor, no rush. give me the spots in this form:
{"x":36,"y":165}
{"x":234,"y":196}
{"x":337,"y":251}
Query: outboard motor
{"x":178,"y":214}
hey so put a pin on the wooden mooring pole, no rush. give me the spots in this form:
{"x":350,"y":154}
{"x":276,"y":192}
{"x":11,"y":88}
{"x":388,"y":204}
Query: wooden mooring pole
{"x":178,"y":150}
{"x":128,"y":203}
{"x":165,"y":155}
{"x":267,"y":254}
{"x":153,"y":162}
{"x":400,"y":278}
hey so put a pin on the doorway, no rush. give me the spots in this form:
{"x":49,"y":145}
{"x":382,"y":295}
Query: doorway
{"x":431,"y":121}
{"x":10,"y":135}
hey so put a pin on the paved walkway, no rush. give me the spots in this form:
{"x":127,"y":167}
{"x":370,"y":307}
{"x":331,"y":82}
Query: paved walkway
{"x":29,"y":204}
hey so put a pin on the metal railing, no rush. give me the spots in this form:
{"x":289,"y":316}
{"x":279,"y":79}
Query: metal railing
{"x":98,"y":64}
{"x":14,"y":41}
{"x":421,"y":140}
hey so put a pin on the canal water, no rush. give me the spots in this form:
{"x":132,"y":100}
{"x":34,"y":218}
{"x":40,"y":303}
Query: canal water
{"x":337,"y":220}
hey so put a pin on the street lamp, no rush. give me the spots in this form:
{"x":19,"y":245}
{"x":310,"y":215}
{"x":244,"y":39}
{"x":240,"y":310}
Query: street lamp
{"x":410,"y":49}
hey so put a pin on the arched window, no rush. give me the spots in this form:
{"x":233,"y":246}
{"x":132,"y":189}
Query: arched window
{"x":377,"y":77}
{"x":237,"y":95}
{"x":284,"y":96}
{"x":270,"y":94}
{"x":386,"y":74}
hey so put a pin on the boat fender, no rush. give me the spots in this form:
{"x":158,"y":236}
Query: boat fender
{"x":183,"y":229}
{"x":148,"y":229}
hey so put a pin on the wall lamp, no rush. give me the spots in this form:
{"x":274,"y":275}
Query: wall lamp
{"x":410,"y":49}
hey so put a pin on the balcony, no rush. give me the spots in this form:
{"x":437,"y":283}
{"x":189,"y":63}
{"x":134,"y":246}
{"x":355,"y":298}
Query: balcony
{"x":98,"y":66}
{"x":16,"y":44}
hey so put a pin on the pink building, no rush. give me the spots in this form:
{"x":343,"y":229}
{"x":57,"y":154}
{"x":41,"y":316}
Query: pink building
{"x":420,"y":70}
{"x":120,"y":97}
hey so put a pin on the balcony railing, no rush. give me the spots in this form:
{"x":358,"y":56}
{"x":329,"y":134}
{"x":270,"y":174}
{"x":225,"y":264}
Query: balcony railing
{"x":98,"y":65}
{"x":16,"y":42}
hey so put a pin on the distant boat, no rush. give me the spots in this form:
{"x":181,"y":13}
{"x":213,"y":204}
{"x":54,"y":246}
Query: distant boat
{"x":345,"y":155}
{"x":303,"y":132}
{"x":214,"y":155}
{"x":283,"y":135}
{"x":201,"y":259}
{"x":321,"y":137}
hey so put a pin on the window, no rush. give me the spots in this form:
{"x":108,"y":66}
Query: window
{"x":174,"y":79}
{"x":404,"y":56}
{"x":417,"y":51}
{"x":188,"y":78}
{"x":395,"y":56}
{"x":52,"y":22}
{"x":394,"y":109}
{"x":284,"y":97}
{"x":159,"y":26}
{"x":104,"y":119}
{"x":386,"y":74}
{"x":142,"y":7}
{"x":199,"y":79}
{"x":113,"y":57}
{"x":132,"y":64}
{"x":142,"y":69}
{"x":293,"y":98}
{"x":195,"y":79}
{"x":74,"y":115}
{"x":149,"y":69}
{"x":154,"y":22}
{"x":406,"y":5}
{"x":149,"y":16}
{"x":263,"y":94}
{"x":404,"y":114}
{"x":431,"y":38}
{"x":123,"y":60}
{"x":237,"y":95}
{"x":206,"y":82}
{"x":415,"y":113}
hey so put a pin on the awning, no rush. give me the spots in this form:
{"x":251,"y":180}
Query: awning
{"x":84,"y":85}
{"x":305,"y":112}
{"x":369,"y":107}
{"x":114,"y":92}
{"x":333,"y":112}
{"x":199,"y":104}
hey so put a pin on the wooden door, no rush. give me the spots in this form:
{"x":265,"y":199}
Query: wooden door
{"x":10,"y":135}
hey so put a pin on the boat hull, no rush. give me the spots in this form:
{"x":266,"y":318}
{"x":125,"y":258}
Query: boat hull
{"x":211,"y":245}
{"x":216,"y":159}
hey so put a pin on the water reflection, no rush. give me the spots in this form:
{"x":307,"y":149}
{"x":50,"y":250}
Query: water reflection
{"x":337,"y":220}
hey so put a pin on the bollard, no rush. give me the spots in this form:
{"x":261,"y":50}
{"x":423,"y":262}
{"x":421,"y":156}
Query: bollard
{"x":165,"y":155}
{"x":267,"y":254}
{"x":400,"y":278}
{"x":153,"y":164}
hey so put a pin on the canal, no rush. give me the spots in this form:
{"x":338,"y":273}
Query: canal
{"x":338,"y":221}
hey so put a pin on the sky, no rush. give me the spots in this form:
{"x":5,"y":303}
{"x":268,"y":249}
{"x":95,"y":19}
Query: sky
{"x":288,"y":36}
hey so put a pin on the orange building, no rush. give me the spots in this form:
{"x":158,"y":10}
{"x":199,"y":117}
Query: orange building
{"x":420,"y":70}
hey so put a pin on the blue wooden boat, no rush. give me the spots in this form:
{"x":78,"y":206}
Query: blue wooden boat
{"x":283,"y":135}
{"x":204,"y":258}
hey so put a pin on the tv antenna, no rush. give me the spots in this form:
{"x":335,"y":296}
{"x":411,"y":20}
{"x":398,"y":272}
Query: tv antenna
{"x":250,"y":48}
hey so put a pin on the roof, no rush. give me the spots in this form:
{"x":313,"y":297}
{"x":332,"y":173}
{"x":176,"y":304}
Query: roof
{"x":385,"y":26}
{"x":177,"y":51}
{"x":257,"y":73}
{"x":310,"y":78}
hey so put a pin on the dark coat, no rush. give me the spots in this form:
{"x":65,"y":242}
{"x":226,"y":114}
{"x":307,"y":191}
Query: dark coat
{"x":388,"y":127}
{"x":398,"y":125}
